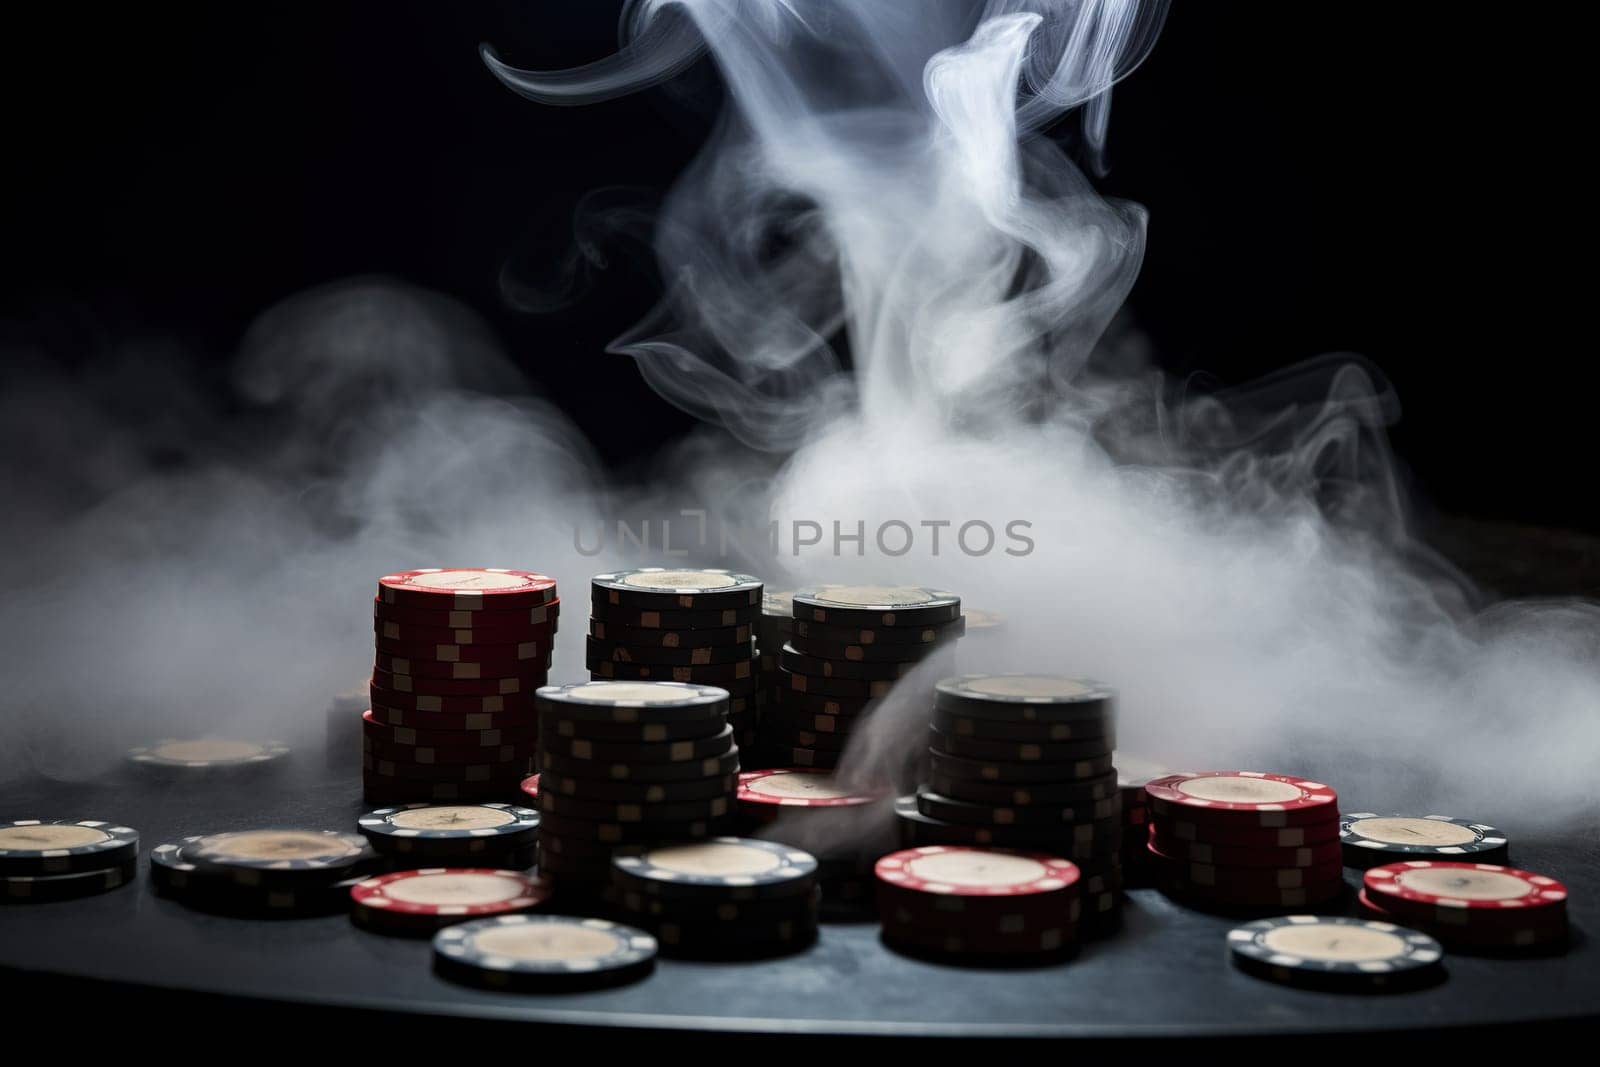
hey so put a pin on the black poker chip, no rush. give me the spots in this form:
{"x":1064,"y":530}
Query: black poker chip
{"x":633,"y":702}
{"x":710,"y":767}
{"x":738,"y":676}
{"x":282,"y":859}
{"x":1032,"y":815}
{"x":1084,"y":841}
{"x":1019,"y":730}
{"x":653,"y":619}
{"x":639,"y":637}
{"x":611,"y":832}
{"x":1010,"y":771}
{"x":873,"y":636}
{"x":38,"y":888}
{"x":817,"y":685}
{"x":60,"y":846}
{"x":1370,"y":839}
{"x":450,"y":831}
{"x":983,"y":748}
{"x":876,"y":605}
{"x":811,"y":757}
{"x":598,"y":651}
{"x":980,"y":791}
{"x":585,"y":748}
{"x":1025,"y":697}
{"x":543,"y":952}
{"x":839,"y":651}
{"x":792,"y":659}
{"x":626,"y":792}
{"x":687,"y":811}
{"x":1325,"y":951}
{"x":823,"y":703}
{"x":676,"y":590}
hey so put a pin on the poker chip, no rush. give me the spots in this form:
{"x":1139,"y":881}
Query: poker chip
{"x":680,"y":590}
{"x":38,"y":888}
{"x":559,"y":804}
{"x":711,"y":767}
{"x":408,"y":737}
{"x":795,"y":723}
{"x":823,"y":704}
{"x":599,"y":651}
{"x":1068,"y":794}
{"x":800,"y":663}
{"x":979,"y":748}
{"x":59,"y":846}
{"x":625,"y":792}
{"x":653,"y":619}
{"x":1240,"y":797}
{"x":629,"y":732}
{"x":890,"y":656}
{"x":174,"y":874}
{"x":490,"y":659}
{"x":1461,"y":893}
{"x":407,"y":636}
{"x":207,"y":754}
{"x":254,"y":858}
{"x":1249,"y":836}
{"x":456,"y":687}
{"x":826,"y":758}
{"x":466,"y":589}
{"x":543,"y":615}
{"x":876,"y":606}
{"x":644,"y":752}
{"x":450,"y":829}
{"x":720,"y":869}
{"x":1016,"y":730}
{"x":967,"y":873}
{"x":875,"y":636}
{"x":1014,"y":772}
{"x":1040,"y":815}
{"x":1322,"y":854}
{"x":767,"y":792}
{"x":1334,"y":951}
{"x":402,"y":709}
{"x":1250,"y":879}
{"x":635,"y":702}
{"x":427,"y":670}
{"x":727,"y":675}
{"x":1024,"y":697}
{"x":987,"y":902}
{"x":1512,"y":932}
{"x":640,"y":639}
{"x":539,"y":952}
{"x":426,"y":900}
{"x":1079,"y":841}
{"x":838,"y":687}
{"x":1371,"y":838}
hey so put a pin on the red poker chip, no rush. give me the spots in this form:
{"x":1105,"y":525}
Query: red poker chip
{"x":459,"y":687}
{"x":798,"y":787}
{"x":548,"y":614}
{"x":491,"y":704}
{"x":530,"y":786}
{"x":404,"y":737}
{"x":1249,"y":878}
{"x":1237,"y":898}
{"x":1246,"y":836}
{"x":422,"y":636}
{"x":1461,"y":893}
{"x":974,"y":916}
{"x":975,"y":872}
{"x":511,"y":655}
{"x":1247,"y":798}
{"x":1319,"y":854}
{"x":465,"y":892}
{"x":1521,"y":930}
{"x":452,"y":722}
{"x":537,"y":664}
{"x":466,"y":589}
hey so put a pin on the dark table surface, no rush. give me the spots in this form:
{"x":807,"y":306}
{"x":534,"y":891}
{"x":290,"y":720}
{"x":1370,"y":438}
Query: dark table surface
{"x":1165,"y":973}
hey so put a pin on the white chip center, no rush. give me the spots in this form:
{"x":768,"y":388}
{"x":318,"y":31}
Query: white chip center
{"x":1036,"y":686}
{"x":788,"y":784}
{"x":978,"y":870}
{"x":276,"y":845}
{"x":41,"y":838}
{"x":715,"y":859}
{"x":874,"y":596}
{"x":633,"y":693}
{"x":206,"y":749}
{"x":451,"y":817}
{"x":547,"y":942}
{"x":1405,"y":831}
{"x":469,"y":580}
{"x":1335,"y":943}
{"x":679,"y":580}
{"x":1464,"y":884}
{"x":448,"y":890}
{"x":1230,"y":789}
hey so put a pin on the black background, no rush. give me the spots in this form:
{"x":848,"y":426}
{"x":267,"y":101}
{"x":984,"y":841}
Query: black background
{"x":1399,"y":180}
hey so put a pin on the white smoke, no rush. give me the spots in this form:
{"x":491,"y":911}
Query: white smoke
{"x":878,"y":196}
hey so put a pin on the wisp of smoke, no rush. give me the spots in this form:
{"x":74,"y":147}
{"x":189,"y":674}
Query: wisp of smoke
{"x":880,"y":265}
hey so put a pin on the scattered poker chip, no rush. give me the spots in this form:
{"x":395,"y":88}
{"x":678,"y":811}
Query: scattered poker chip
{"x":1039,"y":815}
{"x":457,"y":687}
{"x":769,"y":791}
{"x":466,"y":589}
{"x":387,"y":703}
{"x":1321,"y":854}
{"x":1334,"y":951}
{"x":797,"y":662}
{"x":1014,"y":772}
{"x":978,"y":791}
{"x":29,"y":888}
{"x":414,"y":737}
{"x":208,"y":753}
{"x":982,"y":748}
{"x":600,"y":651}
{"x":489,"y":658}
{"x":427,"y":670}
{"x":642,"y":752}
{"x":651,"y":619}
{"x":875,"y":636}
{"x":59,"y":846}
{"x":428,"y":899}
{"x":553,"y":724}
{"x":1024,"y":697}
{"x":543,"y":615}
{"x":876,"y":605}
{"x":711,"y":767}
{"x":726,"y":675}
{"x":1250,"y":836}
{"x":837,"y":687}
{"x":450,"y":829}
{"x":723,"y":868}
{"x":640,"y":639}
{"x":404,"y":635}
{"x":262,"y":857}
{"x":1019,"y":731}
{"x":1242,"y":798}
{"x":635,"y":702}
{"x":901,"y":656}
{"x":676,"y":590}
{"x":1371,"y":838}
{"x":543,"y":952}
{"x":624,"y":792}
{"x":1463,"y":893}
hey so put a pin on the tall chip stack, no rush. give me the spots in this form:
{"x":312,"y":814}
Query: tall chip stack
{"x":694,"y":626}
{"x":849,"y":646}
{"x":629,"y":763}
{"x":1025,"y":761}
{"x":1244,"y":840}
{"x":773,"y":631}
{"x":459,"y":655}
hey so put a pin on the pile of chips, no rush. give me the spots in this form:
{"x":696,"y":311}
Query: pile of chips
{"x":57,"y":860}
{"x":1471,"y":906}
